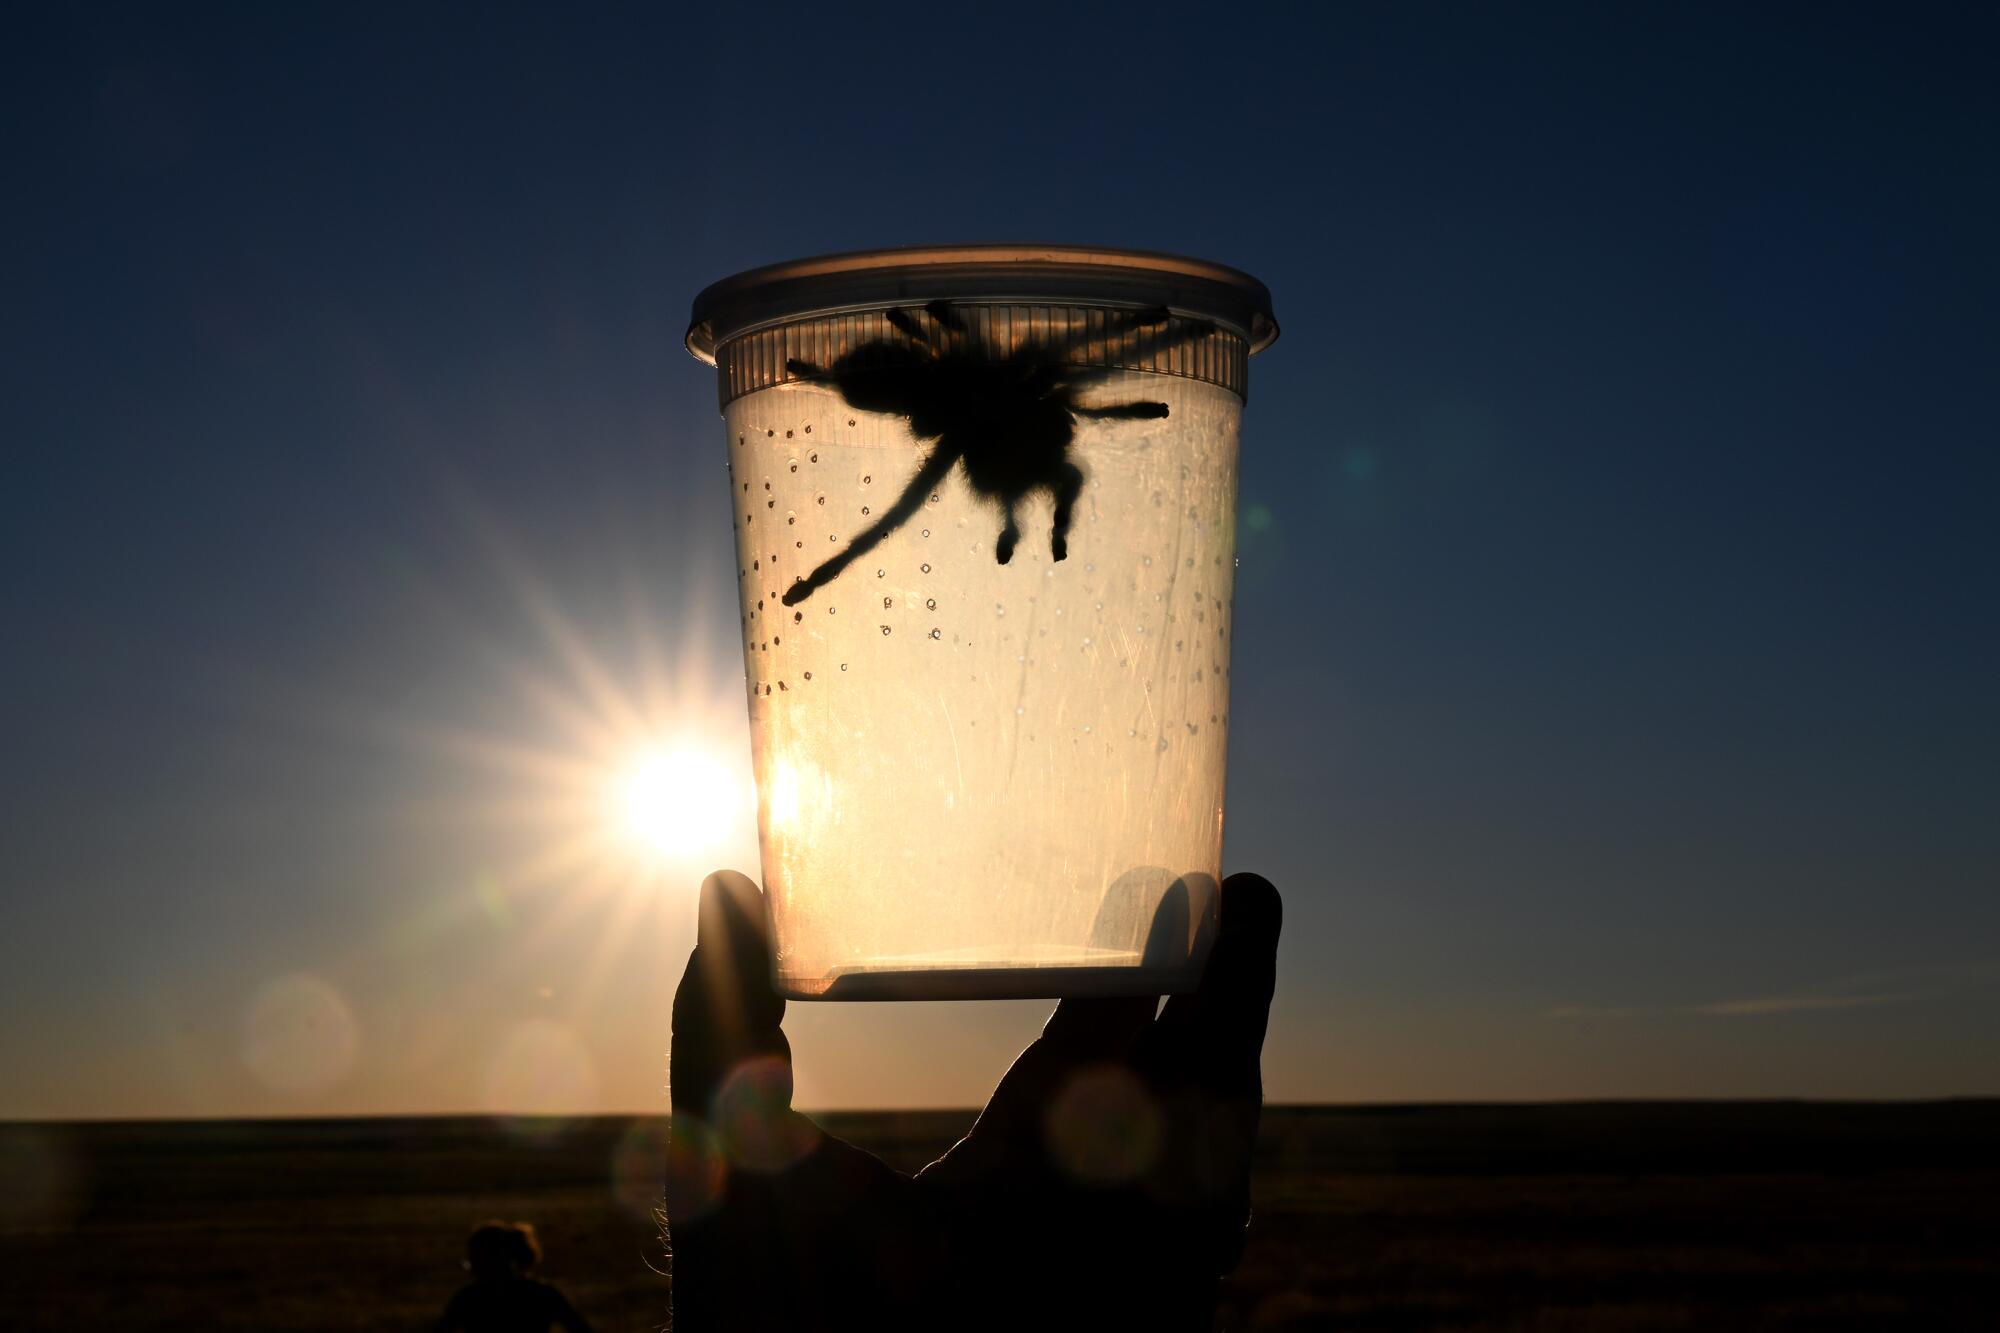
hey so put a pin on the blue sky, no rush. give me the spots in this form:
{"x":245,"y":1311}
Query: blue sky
{"x":1614,"y":693}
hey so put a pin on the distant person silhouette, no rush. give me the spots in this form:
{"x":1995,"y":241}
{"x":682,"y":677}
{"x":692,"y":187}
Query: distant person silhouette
{"x":1105,"y":1186}
{"x":502,"y":1298}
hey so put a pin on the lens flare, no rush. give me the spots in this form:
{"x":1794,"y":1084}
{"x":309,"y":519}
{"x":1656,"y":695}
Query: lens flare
{"x":41,"y":1185}
{"x":299,"y":1037}
{"x":1104,"y":1128}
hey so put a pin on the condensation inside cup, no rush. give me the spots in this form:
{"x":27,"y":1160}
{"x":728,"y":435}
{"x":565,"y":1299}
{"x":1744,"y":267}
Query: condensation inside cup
{"x":978,"y":778}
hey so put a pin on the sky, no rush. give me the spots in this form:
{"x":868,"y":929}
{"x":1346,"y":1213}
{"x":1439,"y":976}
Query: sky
{"x":1616,"y":624}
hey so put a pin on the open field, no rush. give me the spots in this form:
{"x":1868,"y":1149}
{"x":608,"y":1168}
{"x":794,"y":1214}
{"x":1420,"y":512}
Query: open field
{"x":1614,"y":1215}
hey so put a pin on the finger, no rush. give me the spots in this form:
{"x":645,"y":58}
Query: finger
{"x":726,"y":1010}
{"x":1080,"y":1033}
{"x":1220,"y":1027}
{"x":1098,"y":1026}
{"x":733,"y":932}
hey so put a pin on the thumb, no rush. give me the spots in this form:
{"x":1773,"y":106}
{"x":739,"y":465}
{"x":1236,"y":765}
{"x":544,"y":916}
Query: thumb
{"x":726,"y":1010}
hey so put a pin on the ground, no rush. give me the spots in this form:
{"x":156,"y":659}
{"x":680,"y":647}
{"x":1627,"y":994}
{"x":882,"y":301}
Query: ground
{"x":1590,"y":1216}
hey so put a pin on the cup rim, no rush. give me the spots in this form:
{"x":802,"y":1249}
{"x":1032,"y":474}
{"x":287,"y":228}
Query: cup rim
{"x":910,"y":275}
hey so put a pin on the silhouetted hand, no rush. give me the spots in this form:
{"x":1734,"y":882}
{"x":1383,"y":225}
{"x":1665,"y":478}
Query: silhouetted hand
{"x":1106,"y":1185}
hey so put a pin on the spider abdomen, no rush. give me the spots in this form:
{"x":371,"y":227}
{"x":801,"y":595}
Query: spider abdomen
{"x":1015,"y":447}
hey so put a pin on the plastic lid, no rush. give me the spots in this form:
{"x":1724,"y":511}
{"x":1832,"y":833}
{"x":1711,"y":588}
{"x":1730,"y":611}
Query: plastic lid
{"x":912,"y":275}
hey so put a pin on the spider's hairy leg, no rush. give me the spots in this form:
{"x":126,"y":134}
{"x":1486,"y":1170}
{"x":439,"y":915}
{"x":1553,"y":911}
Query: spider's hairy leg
{"x":1117,"y":323}
{"x":947,"y":314}
{"x":803,"y":369}
{"x":1138,"y":319}
{"x":928,"y":476}
{"x":1162,"y":336}
{"x":1139,"y":411}
{"x":1067,"y":487}
{"x":1010,"y":533}
{"x":1137,"y":334}
{"x":909,"y":326}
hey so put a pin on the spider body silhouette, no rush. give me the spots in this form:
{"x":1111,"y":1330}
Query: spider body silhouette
{"x":1010,"y":420}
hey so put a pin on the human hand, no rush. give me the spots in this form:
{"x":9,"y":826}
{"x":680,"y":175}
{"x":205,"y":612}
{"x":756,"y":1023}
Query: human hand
{"x":1106,"y":1184}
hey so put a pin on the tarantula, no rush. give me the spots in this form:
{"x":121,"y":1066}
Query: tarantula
{"x":1010,"y":419}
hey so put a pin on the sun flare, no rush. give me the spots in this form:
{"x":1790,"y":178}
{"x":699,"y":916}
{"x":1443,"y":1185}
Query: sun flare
{"x":681,"y":802}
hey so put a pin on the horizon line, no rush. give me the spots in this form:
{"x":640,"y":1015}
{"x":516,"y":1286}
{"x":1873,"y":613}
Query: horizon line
{"x":1415,"y":1104}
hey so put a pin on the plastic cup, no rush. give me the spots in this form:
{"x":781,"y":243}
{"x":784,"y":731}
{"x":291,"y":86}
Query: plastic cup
{"x":988,"y":766}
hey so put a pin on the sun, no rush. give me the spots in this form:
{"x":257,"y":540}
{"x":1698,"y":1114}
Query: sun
{"x":681,"y":802}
